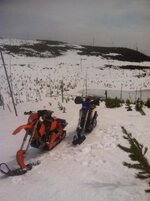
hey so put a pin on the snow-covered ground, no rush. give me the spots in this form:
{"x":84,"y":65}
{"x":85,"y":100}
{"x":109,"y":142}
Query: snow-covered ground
{"x":91,"y":171}
{"x":33,"y":77}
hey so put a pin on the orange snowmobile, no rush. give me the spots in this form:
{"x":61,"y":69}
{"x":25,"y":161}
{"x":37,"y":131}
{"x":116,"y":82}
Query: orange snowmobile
{"x":43,"y":131}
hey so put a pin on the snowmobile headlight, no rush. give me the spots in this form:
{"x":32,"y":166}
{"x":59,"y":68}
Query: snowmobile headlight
{"x":33,"y":117}
{"x":30,"y":120}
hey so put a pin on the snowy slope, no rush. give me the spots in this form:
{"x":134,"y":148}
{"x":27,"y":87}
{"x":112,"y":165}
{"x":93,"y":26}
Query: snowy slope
{"x":91,"y":171}
{"x":36,"y":77}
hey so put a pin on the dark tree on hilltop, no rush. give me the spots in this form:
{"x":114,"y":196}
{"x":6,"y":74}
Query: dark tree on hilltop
{"x":136,"y":153}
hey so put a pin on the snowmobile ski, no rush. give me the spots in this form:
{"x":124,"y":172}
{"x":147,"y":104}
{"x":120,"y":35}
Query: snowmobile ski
{"x":80,"y":137}
{"x":4,"y":169}
{"x":77,"y":140}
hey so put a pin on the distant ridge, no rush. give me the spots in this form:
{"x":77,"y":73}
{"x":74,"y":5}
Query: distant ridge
{"x":115,"y":53}
{"x":48,"y":48}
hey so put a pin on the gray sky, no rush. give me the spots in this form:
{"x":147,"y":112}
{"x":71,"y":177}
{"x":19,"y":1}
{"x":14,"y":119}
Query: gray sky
{"x":124,"y":23}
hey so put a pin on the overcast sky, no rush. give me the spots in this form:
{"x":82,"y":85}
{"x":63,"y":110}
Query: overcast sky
{"x":124,"y":23}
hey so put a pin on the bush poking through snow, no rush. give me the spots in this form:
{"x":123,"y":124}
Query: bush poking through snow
{"x":112,"y":102}
{"x":61,"y":107}
{"x":139,"y":107}
{"x":147,"y":104}
{"x":128,"y":105}
{"x":136,"y":153}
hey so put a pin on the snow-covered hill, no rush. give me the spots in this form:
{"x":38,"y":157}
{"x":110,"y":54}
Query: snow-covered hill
{"x":35,"y":77}
{"x":93,"y":170}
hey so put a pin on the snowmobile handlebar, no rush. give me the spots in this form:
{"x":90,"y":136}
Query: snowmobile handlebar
{"x":41,"y":113}
{"x":92,"y":100}
{"x":28,"y":113}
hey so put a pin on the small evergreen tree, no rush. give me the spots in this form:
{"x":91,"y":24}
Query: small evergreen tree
{"x":128,"y":102}
{"x":139,"y":107}
{"x":147,"y":104}
{"x":112,"y":102}
{"x":137,"y":154}
{"x":1,"y":100}
{"x":128,"y":105}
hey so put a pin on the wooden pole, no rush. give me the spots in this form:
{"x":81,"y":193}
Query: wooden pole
{"x":121,"y":93}
{"x":8,"y":83}
{"x":62,"y":91}
{"x":86,"y":87}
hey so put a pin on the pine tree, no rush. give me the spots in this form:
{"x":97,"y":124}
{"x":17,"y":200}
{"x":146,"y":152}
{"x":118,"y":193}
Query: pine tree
{"x":139,"y":107}
{"x":112,"y":102}
{"x":136,"y":153}
{"x":128,"y":105}
{"x":148,"y":103}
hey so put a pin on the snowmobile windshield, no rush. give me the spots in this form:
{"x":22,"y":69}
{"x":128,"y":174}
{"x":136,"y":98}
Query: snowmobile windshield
{"x":85,"y":105}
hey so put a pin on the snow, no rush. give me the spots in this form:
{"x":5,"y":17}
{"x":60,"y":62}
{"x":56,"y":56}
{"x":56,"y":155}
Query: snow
{"x":112,"y":54}
{"x":18,"y":42}
{"x":91,"y":171}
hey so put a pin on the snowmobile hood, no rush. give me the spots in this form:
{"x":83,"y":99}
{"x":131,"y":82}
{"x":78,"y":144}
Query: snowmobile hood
{"x":26,"y":126}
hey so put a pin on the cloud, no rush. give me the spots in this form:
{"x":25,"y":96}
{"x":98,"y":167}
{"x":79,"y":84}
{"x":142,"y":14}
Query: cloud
{"x":120,"y":21}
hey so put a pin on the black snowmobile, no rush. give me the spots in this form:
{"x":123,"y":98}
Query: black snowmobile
{"x":87,"y":118}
